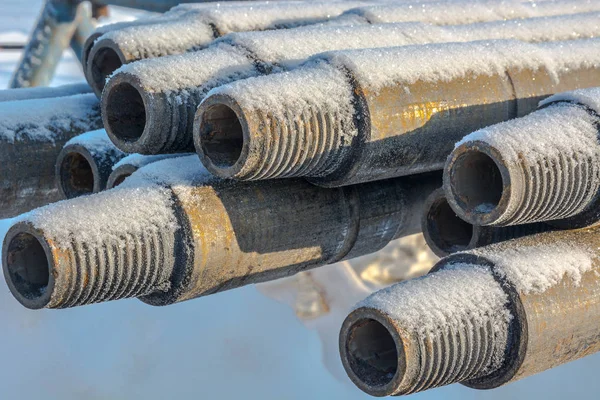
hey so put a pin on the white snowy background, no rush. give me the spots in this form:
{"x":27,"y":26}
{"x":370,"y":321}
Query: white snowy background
{"x":237,"y":344}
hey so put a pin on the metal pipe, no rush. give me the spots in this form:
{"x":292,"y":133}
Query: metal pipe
{"x":32,"y":133}
{"x":446,"y":233}
{"x":44,"y":92}
{"x":162,"y":119}
{"x":155,"y":5}
{"x":50,"y":37}
{"x":131,"y":163}
{"x":84,"y":164}
{"x":86,"y":27}
{"x":448,"y":13}
{"x":362,"y":115}
{"x":172,"y":232}
{"x":542,"y":167}
{"x":195,"y":29}
{"x":484,"y":318}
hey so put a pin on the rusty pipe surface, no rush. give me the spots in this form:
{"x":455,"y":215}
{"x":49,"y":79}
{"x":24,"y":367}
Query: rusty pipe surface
{"x":448,"y":13}
{"x":161,"y":119}
{"x":131,"y":163}
{"x":362,"y":115}
{"x":32,"y":133}
{"x":484,"y":318}
{"x":84,"y":164}
{"x":44,"y":92}
{"x":446,"y":233}
{"x":51,"y":36}
{"x":195,"y":29}
{"x":542,"y":167}
{"x":171,"y":232}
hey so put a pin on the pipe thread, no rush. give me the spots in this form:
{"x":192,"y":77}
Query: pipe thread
{"x":96,"y":273}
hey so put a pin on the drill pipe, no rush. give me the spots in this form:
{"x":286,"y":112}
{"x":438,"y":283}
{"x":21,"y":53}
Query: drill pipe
{"x":143,"y":114}
{"x":445,"y":233}
{"x":196,"y":29}
{"x":542,"y":167}
{"x":337,"y":122}
{"x":44,"y":92}
{"x":84,"y":164}
{"x":131,"y":163}
{"x":187,"y":235}
{"x":32,"y":133}
{"x":483,"y":318}
{"x":51,"y":36}
{"x":448,"y":13}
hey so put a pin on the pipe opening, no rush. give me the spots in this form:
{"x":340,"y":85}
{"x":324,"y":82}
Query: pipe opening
{"x":221,"y":135}
{"x":125,"y":112}
{"x":76,"y":176}
{"x":105,"y":62}
{"x":448,"y":231}
{"x":372,"y":352}
{"x":477,"y":182}
{"x":28,"y":266}
{"x":120,"y":179}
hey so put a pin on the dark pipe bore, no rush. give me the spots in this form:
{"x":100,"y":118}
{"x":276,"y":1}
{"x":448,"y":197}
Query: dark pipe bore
{"x":477,"y":182}
{"x":372,"y":352}
{"x":76,"y":176}
{"x":125,"y":112}
{"x":104,"y":62}
{"x":445,"y":232}
{"x":221,"y":135}
{"x":27,"y":268}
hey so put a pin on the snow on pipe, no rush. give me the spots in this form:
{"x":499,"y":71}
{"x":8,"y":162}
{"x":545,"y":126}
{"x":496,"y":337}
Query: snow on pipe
{"x":354,"y":116}
{"x":446,"y":233}
{"x":44,"y":92}
{"x":542,"y":167}
{"x":195,"y":29}
{"x":84,"y":164}
{"x":172,"y":232}
{"x":51,"y":36}
{"x":131,"y":163}
{"x":464,"y":12}
{"x":32,"y":133}
{"x":483,"y":318}
{"x":161,"y":119}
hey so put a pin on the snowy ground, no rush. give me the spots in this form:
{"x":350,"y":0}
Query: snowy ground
{"x":237,"y":344}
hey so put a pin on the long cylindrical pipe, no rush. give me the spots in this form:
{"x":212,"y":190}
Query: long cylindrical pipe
{"x":448,"y":13}
{"x":162,"y":118}
{"x":362,"y":115}
{"x":131,"y":163}
{"x":483,"y":318}
{"x":44,"y":92}
{"x":32,"y":133}
{"x":542,"y":167}
{"x":84,"y":164}
{"x":51,"y":36}
{"x":446,"y":233}
{"x":172,"y":232}
{"x":195,"y":29}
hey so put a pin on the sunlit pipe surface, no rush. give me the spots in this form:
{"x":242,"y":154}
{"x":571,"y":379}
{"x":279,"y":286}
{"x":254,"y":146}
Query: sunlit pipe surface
{"x":84,"y":164}
{"x":551,"y":288}
{"x":166,"y":243}
{"x":446,"y":233}
{"x":142,"y":116}
{"x":32,"y":133}
{"x":367,"y":126}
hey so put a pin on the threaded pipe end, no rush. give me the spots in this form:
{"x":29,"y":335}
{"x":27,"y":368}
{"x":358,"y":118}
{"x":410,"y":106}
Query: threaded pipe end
{"x":385,"y":354}
{"x":104,"y":58}
{"x":246,"y":144}
{"x":42,"y":275}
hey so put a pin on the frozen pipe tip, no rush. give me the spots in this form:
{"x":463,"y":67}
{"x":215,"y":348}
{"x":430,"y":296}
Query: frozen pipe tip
{"x":76,"y":172}
{"x":444,"y":231}
{"x":87,"y":48}
{"x":124,"y":112}
{"x":476,"y":183}
{"x":27,"y":264}
{"x":221,"y":136}
{"x":372,"y":352}
{"x":103,"y":59}
{"x":119,"y":175}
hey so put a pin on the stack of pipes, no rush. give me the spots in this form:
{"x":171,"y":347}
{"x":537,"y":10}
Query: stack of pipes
{"x":242,"y":143}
